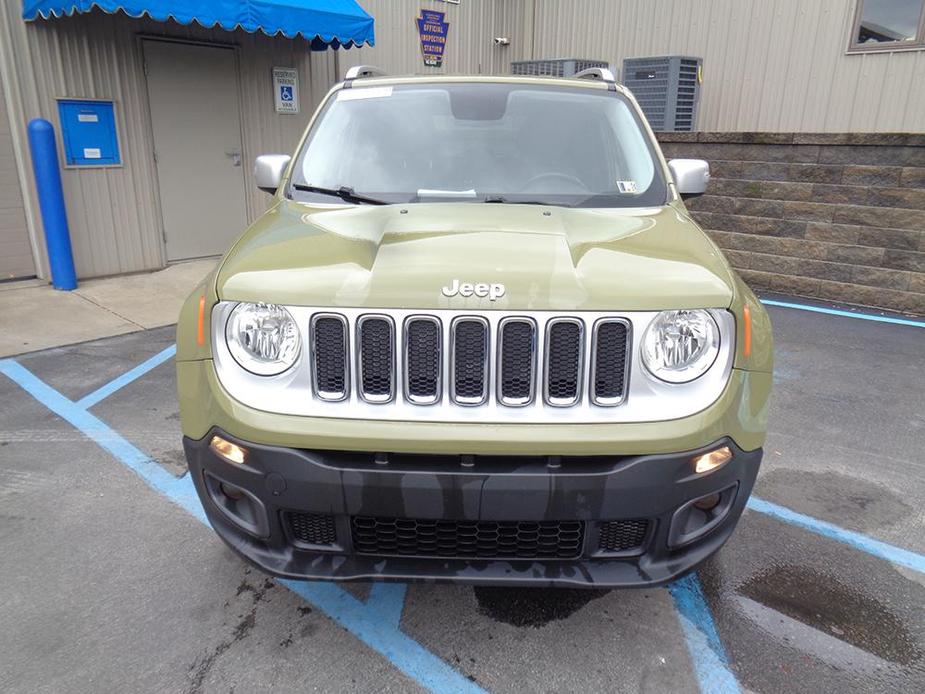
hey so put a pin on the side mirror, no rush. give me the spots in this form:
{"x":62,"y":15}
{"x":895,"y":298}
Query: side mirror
{"x":690,"y":176}
{"x":269,"y":169}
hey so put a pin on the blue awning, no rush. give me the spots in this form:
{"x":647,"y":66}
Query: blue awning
{"x":326,"y":23}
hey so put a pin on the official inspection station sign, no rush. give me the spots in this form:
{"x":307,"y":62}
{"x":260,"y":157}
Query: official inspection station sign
{"x":432,"y":28}
{"x":286,"y":89}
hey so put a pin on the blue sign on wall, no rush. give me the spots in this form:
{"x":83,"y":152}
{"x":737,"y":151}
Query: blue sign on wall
{"x":88,"y":132}
{"x":432,"y":28}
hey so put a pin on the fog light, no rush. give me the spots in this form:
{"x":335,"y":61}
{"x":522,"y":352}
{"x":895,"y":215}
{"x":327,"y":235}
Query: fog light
{"x":233,"y":492}
{"x":707,"y":503}
{"x":712,"y":460}
{"x":227,"y":450}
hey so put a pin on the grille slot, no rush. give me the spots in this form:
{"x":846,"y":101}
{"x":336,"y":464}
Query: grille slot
{"x":609,"y":367}
{"x":376,"y":360}
{"x":516,"y":361}
{"x":563,"y":362}
{"x":623,"y":536}
{"x":467,"y":539}
{"x":311,"y":528}
{"x":423,"y":360}
{"x":470,"y":361}
{"x":329,"y":356}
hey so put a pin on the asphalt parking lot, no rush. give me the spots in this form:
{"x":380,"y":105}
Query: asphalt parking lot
{"x":112,"y":582}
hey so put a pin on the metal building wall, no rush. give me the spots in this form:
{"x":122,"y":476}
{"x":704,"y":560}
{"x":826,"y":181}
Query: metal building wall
{"x":768,"y":66}
{"x":114,"y":213}
{"x":473,"y":24}
{"x":15,"y":249}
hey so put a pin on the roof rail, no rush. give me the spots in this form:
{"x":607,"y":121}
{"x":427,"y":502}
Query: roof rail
{"x":598,"y":73}
{"x":358,"y":71}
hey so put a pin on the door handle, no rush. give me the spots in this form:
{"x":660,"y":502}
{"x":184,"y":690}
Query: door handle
{"x":235,"y":157}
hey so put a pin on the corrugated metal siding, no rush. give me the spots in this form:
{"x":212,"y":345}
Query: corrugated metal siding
{"x":470,"y":48}
{"x":114,"y":212}
{"x":15,"y":250}
{"x":768,"y":66}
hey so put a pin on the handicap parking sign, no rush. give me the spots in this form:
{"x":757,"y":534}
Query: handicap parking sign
{"x":286,"y":89}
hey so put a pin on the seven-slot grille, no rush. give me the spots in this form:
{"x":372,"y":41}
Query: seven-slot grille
{"x":553,"y":361}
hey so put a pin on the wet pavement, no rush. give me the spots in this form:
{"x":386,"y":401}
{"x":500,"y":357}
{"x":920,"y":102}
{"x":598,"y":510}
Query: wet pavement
{"x":110,"y":581}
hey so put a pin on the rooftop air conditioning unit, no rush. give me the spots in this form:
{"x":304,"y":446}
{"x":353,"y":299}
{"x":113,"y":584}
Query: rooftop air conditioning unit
{"x":667,"y":88}
{"x":556,"y":67}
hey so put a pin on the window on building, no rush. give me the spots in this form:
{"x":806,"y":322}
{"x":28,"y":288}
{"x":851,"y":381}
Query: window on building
{"x":888,"y":25}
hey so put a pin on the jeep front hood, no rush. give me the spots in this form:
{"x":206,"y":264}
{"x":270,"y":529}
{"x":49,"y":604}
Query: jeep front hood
{"x":548,"y":258}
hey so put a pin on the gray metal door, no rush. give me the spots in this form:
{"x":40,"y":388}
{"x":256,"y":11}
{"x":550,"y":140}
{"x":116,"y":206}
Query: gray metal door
{"x":193,"y":92}
{"x":15,"y":249}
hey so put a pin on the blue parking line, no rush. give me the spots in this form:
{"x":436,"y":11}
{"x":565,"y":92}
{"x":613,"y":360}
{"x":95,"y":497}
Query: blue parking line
{"x":882,"y":550}
{"x":374,"y":623}
{"x":840,"y":312}
{"x":711,"y":664}
{"x":88,"y":401}
{"x":389,"y":600}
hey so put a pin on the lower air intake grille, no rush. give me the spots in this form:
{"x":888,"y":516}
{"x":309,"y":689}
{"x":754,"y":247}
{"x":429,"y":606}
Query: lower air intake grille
{"x":623,"y":535}
{"x":311,"y":528}
{"x":467,"y":539}
{"x":470,"y":361}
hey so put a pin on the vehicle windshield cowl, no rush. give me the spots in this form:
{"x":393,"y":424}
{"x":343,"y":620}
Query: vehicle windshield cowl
{"x":523,"y":143}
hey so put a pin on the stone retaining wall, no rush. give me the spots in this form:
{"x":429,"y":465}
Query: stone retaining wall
{"x":839,"y":217}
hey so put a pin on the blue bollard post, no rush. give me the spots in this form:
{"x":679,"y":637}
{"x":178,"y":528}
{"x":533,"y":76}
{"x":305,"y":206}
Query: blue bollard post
{"x":51,"y":202}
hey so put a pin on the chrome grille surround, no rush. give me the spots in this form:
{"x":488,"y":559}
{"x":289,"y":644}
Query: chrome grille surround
{"x":557,"y":360}
{"x":368,"y":363}
{"x":434,"y":373}
{"x":511,"y":400}
{"x":596,"y":368}
{"x":295,"y":391}
{"x":478,"y":364}
{"x":329,"y":394}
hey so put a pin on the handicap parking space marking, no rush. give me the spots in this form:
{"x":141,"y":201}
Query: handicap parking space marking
{"x":843,"y":313}
{"x":711,"y":664}
{"x":374,"y":622}
{"x":103,"y":392}
{"x":882,"y":550}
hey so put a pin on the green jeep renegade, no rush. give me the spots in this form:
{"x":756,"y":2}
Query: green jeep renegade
{"x":476,"y":337}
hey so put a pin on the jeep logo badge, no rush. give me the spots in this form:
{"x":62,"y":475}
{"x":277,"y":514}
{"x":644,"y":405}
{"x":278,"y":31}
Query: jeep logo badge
{"x":492,"y":291}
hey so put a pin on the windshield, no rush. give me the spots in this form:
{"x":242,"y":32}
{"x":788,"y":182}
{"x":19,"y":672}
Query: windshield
{"x":513,"y":143}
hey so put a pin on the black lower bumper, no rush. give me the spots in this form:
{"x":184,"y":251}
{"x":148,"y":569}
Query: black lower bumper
{"x":619,"y":521}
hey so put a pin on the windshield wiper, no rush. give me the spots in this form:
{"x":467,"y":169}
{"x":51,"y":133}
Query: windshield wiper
{"x":345,"y":193}
{"x":501,"y":200}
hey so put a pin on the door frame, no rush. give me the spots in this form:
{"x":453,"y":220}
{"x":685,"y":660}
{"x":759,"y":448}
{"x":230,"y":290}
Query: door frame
{"x":235,"y":48}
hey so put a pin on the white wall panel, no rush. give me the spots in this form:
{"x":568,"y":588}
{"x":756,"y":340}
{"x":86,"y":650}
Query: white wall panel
{"x":768,"y":66}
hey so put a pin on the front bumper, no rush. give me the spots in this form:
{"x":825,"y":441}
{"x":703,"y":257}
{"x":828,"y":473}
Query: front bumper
{"x":587,"y":492}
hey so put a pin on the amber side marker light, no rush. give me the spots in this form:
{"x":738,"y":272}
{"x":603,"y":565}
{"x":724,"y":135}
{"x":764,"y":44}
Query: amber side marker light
{"x":200,"y":332}
{"x":747,"y":330}
{"x":712,"y":460}
{"x":231,"y":452}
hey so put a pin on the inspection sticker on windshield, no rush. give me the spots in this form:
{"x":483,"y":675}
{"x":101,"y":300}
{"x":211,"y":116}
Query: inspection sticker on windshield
{"x":363,"y":93}
{"x":626,"y":186}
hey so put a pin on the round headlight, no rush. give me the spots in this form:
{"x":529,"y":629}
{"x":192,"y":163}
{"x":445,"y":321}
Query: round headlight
{"x":263,"y":338}
{"x":679,"y":346}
